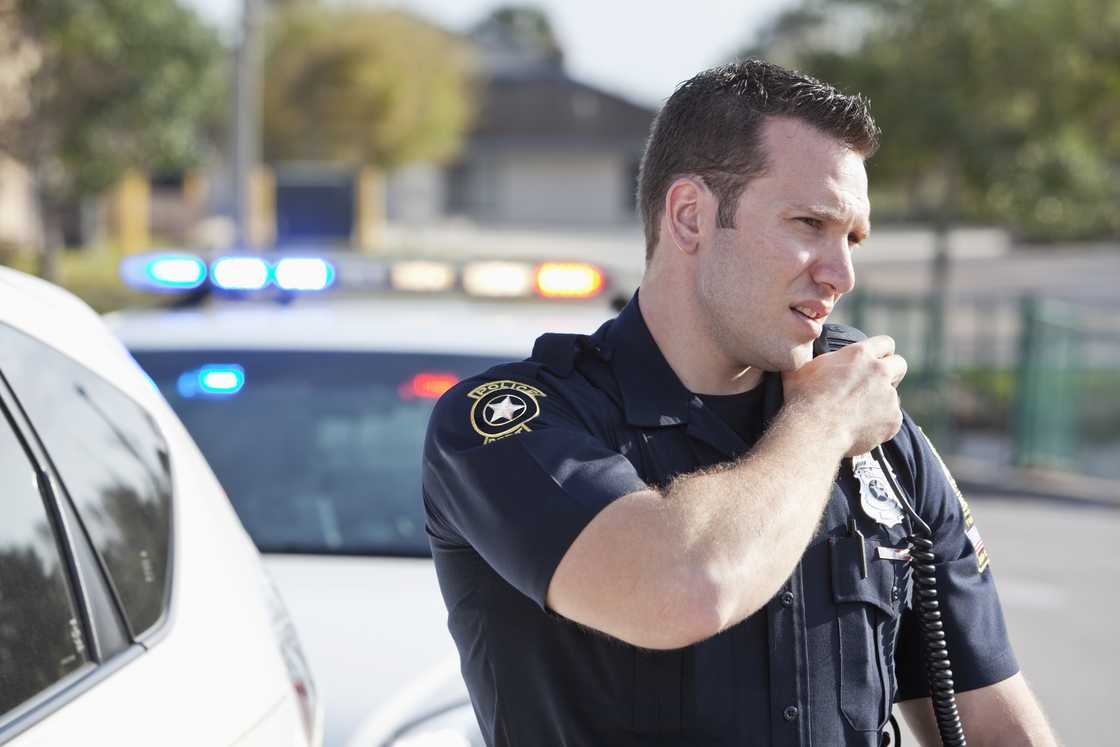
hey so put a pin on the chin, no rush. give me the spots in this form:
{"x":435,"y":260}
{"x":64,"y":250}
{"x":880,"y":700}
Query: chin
{"x":791,"y":359}
{"x":800,"y":355}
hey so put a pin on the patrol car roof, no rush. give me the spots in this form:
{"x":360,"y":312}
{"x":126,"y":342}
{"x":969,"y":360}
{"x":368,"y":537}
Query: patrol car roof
{"x":447,"y":324}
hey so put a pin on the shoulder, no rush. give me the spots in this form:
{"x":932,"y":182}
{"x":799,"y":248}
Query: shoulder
{"x":496,"y":403}
{"x":914,"y":450}
{"x":906,"y":444}
{"x":926,"y":476}
{"x":515,"y":398}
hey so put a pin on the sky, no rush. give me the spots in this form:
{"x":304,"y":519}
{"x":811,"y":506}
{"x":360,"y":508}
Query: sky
{"x":638,"y":49}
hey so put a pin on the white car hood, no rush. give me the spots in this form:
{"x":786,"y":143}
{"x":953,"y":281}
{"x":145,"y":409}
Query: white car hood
{"x":372,"y":628}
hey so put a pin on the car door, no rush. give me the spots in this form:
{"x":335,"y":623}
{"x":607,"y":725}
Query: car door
{"x":91,"y":647}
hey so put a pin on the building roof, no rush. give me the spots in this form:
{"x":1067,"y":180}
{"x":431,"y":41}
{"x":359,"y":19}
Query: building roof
{"x":548,"y":106}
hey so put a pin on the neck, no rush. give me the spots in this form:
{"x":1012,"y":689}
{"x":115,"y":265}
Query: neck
{"x":679,"y":327}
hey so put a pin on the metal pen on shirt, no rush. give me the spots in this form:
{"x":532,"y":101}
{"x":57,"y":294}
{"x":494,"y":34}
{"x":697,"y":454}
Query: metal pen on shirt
{"x":853,"y":530}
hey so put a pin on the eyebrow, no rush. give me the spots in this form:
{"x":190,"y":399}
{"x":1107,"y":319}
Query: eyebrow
{"x":831,"y":214}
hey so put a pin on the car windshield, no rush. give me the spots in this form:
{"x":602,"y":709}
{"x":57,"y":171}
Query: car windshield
{"x":319,"y":451}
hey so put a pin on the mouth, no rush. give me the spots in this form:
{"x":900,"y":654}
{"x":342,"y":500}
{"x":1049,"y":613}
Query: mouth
{"x":811,"y":315}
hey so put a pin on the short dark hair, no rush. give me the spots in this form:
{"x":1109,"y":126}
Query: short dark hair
{"x":711,"y":128}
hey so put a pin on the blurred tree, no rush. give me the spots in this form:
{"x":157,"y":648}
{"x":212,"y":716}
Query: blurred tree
{"x":519,"y":35}
{"x":994,"y":110}
{"x":103,"y":86}
{"x":362,"y":86}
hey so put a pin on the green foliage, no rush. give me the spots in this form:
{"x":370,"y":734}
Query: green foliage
{"x":523,"y":27}
{"x":991,"y":110}
{"x":117,"y":84}
{"x":1060,"y":187}
{"x":361,"y":85}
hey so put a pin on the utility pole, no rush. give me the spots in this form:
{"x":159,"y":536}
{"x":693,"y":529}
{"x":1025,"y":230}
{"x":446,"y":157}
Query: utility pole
{"x":246,"y":137}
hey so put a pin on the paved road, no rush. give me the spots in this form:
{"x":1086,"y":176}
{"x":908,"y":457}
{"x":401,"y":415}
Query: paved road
{"x":1058,"y":570}
{"x":1078,"y":274}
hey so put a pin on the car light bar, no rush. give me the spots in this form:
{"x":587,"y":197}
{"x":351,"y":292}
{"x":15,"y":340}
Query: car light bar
{"x":569,"y":280}
{"x":422,"y":275}
{"x":163,"y":271}
{"x":303,"y":274}
{"x":240,"y":273}
{"x":498,"y":279}
{"x":251,"y":274}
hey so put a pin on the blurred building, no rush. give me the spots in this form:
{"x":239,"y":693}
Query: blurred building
{"x":545,"y":150}
{"x":549,"y":150}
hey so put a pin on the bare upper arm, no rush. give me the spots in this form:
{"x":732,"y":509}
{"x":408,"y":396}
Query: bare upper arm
{"x":627,"y":575}
{"x":1005,"y":713}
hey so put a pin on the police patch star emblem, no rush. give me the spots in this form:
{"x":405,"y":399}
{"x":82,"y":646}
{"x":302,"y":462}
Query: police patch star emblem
{"x":876,"y":497}
{"x":503,"y":408}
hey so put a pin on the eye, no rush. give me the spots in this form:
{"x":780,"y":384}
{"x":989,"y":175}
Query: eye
{"x":811,"y":222}
{"x":854,"y":240}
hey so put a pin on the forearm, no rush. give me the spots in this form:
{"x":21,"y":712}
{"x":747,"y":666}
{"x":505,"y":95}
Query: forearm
{"x":675,"y":566}
{"x":1005,"y":714}
{"x":746,"y":525}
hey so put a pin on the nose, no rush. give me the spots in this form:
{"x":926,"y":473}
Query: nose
{"x":834,"y":270}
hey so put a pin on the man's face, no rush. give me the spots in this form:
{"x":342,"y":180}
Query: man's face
{"x":769,"y":283}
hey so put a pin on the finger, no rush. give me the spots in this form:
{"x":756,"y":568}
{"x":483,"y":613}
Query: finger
{"x":880,"y":346}
{"x":897,"y":368}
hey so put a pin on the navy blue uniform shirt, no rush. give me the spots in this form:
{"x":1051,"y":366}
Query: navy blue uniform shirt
{"x":520,"y":459}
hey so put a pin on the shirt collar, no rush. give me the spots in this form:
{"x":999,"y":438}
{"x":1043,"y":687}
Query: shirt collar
{"x":652,"y":395}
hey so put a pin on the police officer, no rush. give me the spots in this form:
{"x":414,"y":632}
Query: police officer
{"x":668,"y":532}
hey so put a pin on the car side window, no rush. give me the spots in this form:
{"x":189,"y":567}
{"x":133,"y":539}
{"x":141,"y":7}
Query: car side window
{"x":113,"y":463}
{"x":41,"y":639}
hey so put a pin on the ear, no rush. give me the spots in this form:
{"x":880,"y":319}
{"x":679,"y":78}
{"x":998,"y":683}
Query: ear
{"x":686,"y":204}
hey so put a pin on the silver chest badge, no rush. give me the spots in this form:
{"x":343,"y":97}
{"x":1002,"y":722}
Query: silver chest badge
{"x":876,"y":497}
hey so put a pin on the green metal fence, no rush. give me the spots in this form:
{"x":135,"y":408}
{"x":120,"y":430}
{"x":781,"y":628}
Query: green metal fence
{"x":1029,"y":381}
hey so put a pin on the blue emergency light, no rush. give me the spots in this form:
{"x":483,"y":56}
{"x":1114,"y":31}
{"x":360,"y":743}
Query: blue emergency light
{"x":214,"y":379}
{"x":163,"y":271}
{"x":303,"y":274}
{"x":240,"y":273}
{"x":245,"y":275}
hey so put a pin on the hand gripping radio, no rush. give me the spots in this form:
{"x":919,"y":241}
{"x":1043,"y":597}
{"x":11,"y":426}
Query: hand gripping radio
{"x":939,"y":671}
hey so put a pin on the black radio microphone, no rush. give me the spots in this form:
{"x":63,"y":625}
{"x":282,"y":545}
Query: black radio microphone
{"x":922,"y":560}
{"x":834,"y":337}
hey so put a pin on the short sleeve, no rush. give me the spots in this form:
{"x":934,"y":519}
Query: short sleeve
{"x":510,"y":471}
{"x":979,"y":648}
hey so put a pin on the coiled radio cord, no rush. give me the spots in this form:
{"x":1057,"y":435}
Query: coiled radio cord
{"x":939,"y":670}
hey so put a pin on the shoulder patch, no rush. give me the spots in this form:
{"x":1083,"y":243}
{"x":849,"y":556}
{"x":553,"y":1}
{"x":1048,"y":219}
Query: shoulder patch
{"x":503,"y":408}
{"x":970,"y":529}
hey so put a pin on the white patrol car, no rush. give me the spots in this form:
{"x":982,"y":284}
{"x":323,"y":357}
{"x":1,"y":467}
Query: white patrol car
{"x":134,"y":610}
{"x":312,"y":413}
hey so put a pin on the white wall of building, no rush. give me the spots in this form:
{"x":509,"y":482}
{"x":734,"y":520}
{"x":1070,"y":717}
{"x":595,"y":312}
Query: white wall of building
{"x":415,"y":194}
{"x":580,"y":189}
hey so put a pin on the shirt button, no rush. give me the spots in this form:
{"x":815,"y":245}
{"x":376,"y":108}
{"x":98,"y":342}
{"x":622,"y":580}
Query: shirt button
{"x":894,"y":594}
{"x":787,"y":598}
{"x":790,"y":713}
